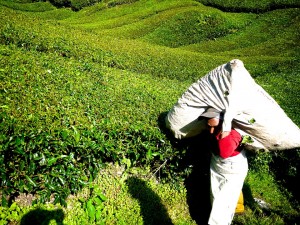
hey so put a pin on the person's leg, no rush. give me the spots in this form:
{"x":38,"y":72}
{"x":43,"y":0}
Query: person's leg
{"x":227,"y":178}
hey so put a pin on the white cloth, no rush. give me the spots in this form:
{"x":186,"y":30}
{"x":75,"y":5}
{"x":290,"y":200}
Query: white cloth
{"x":248,"y":108}
{"x":227,"y":178}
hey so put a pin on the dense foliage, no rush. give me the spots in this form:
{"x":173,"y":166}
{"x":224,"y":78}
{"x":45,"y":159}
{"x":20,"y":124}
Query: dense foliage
{"x":250,"y":6}
{"x":81,"y":89}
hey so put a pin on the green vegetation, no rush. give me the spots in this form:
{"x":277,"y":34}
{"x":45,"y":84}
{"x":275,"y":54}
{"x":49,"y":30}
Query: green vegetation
{"x":251,"y":6}
{"x":84,"y":93}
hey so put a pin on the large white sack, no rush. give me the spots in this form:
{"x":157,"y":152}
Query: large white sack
{"x":247,"y":106}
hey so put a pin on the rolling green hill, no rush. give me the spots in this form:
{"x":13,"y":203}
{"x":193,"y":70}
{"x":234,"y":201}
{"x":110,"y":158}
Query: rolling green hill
{"x":84,"y":90}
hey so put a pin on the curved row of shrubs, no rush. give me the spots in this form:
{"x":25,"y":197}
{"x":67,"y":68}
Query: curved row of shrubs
{"x":84,"y":118}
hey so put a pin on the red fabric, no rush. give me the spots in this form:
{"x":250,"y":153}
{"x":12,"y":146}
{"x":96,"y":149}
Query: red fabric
{"x":229,"y":145}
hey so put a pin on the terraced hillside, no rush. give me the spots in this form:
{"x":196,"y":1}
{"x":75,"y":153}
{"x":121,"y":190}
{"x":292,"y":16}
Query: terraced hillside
{"x":83,"y":88}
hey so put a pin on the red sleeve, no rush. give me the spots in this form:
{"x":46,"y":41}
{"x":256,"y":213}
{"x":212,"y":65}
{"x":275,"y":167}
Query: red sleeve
{"x":229,"y":144}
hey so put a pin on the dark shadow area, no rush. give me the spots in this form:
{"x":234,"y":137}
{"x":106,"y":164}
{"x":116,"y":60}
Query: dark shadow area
{"x":248,"y":197}
{"x":198,"y":182}
{"x":43,"y":217}
{"x":195,"y":155}
{"x":152,"y":210}
{"x":166,"y":131}
{"x":286,"y":167}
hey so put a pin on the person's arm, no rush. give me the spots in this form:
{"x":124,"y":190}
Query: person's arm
{"x":229,"y":143}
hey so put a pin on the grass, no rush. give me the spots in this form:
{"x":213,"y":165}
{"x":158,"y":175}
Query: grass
{"x":280,"y":210}
{"x":104,"y":76}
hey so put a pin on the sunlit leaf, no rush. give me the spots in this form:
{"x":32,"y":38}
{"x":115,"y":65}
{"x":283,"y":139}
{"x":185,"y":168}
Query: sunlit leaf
{"x":91,"y":209}
{"x":31,"y":181}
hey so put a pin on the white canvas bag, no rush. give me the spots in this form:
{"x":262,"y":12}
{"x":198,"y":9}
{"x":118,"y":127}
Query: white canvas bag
{"x":248,"y":108}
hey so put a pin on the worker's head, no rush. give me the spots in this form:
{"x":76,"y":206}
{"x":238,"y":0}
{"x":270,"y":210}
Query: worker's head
{"x":214,"y":119}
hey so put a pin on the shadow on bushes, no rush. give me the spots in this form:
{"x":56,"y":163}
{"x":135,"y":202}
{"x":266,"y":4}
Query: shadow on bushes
{"x":248,"y":197}
{"x":152,"y":210}
{"x":192,"y":154}
{"x":43,"y":217}
{"x":286,"y":167}
{"x":197,"y":183}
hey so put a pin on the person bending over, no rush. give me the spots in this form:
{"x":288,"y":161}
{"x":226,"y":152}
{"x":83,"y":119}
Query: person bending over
{"x":228,"y":168}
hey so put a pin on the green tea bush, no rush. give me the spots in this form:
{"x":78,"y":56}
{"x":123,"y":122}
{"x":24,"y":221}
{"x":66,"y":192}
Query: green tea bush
{"x":191,"y":27}
{"x":94,"y":205}
{"x":80,"y":4}
{"x":119,"y":2}
{"x":82,"y":89}
{"x":29,"y":6}
{"x":63,"y":151}
{"x":51,"y":164}
{"x":250,"y":6}
{"x":13,"y":213}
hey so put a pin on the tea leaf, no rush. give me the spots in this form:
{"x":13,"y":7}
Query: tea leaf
{"x":91,"y":209}
{"x":31,"y":181}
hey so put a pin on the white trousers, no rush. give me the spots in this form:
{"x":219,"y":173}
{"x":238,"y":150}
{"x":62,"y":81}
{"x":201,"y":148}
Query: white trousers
{"x":227,"y":179}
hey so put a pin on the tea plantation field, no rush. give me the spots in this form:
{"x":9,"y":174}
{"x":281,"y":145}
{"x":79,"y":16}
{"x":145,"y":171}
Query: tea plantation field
{"x":85,"y":87}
